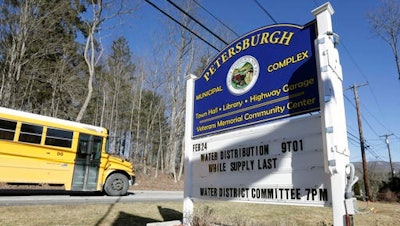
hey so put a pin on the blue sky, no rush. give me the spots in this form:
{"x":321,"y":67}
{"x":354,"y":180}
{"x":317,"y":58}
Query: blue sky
{"x":364,"y":56}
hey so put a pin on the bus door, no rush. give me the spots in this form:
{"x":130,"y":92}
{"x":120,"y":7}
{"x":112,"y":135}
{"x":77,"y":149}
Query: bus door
{"x":87,"y":163}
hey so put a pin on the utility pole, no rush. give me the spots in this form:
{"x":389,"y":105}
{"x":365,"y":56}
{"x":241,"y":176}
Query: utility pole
{"x":362,"y":143}
{"x":390,"y":156}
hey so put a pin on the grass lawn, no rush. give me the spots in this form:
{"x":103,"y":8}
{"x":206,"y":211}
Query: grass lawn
{"x":207,"y":212}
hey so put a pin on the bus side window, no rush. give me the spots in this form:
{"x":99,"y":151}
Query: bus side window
{"x":30,"y":133}
{"x":83,"y":144}
{"x":58,"y":137}
{"x":96,"y":151}
{"x":89,"y":145}
{"x":7,"y":129}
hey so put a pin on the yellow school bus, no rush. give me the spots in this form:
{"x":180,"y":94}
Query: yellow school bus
{"x":37,"y":149}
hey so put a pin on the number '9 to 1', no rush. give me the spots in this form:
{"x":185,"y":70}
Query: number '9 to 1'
{"x":292,"y":146}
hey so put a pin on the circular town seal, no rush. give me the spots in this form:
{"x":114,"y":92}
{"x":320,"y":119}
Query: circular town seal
{"x":242,"y":75}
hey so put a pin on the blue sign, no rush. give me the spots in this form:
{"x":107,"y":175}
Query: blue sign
{"x":267,"y":74}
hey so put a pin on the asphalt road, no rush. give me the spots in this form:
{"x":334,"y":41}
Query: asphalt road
{"x":44,"y":197}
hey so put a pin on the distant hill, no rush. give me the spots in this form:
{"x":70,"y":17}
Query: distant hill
{"x":378,"y":167}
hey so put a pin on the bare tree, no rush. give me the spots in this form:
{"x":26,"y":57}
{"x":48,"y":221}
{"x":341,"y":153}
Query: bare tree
{"x":93,"y":46}
{"x":159,"y":158}
{"x":14,"y":51}
{"x":156,"y":120}
{"x":39,"y":55}
{"x":138,"y":108}
{"x":182,"y":54}
{"x":91,"y":58}
{"x":385,"y":20}
{"x":20,"y":24}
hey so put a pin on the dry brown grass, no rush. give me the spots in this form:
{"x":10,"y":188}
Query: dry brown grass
{"x":382,"y":214}
{"x":163,"y":182}
{"x":91,"y":214}
{"x":207,"y":212}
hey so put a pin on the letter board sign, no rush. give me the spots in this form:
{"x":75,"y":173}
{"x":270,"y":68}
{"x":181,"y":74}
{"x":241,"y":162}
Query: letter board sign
{"x":278,"y":163}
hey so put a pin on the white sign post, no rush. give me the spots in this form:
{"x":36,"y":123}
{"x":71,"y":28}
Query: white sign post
{"x":187,"y":193}
{"x":300,"y":160}
{"x":332,"y":111}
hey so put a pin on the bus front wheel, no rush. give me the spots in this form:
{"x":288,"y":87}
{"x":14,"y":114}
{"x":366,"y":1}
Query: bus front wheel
{"x":116,"y":185}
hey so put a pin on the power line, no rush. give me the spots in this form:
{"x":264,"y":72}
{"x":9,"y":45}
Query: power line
{"x":198,"y":22}
{"x":353,"y":138}
{"x":364,"y":118}
{"x":376,"y":156}
{"x":368,"y":147}
{"x":369,"y":125}
{"x":349,"y":128}
{"x":379,"y":122}
{"x":352,"y":135}
{"x":358,"y":68}
{"x":212,"y":15}
{"x":348,"y":99}
{"x":182,"y":25}
{"x":366,"y":121}
{"x":265,"y":11}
